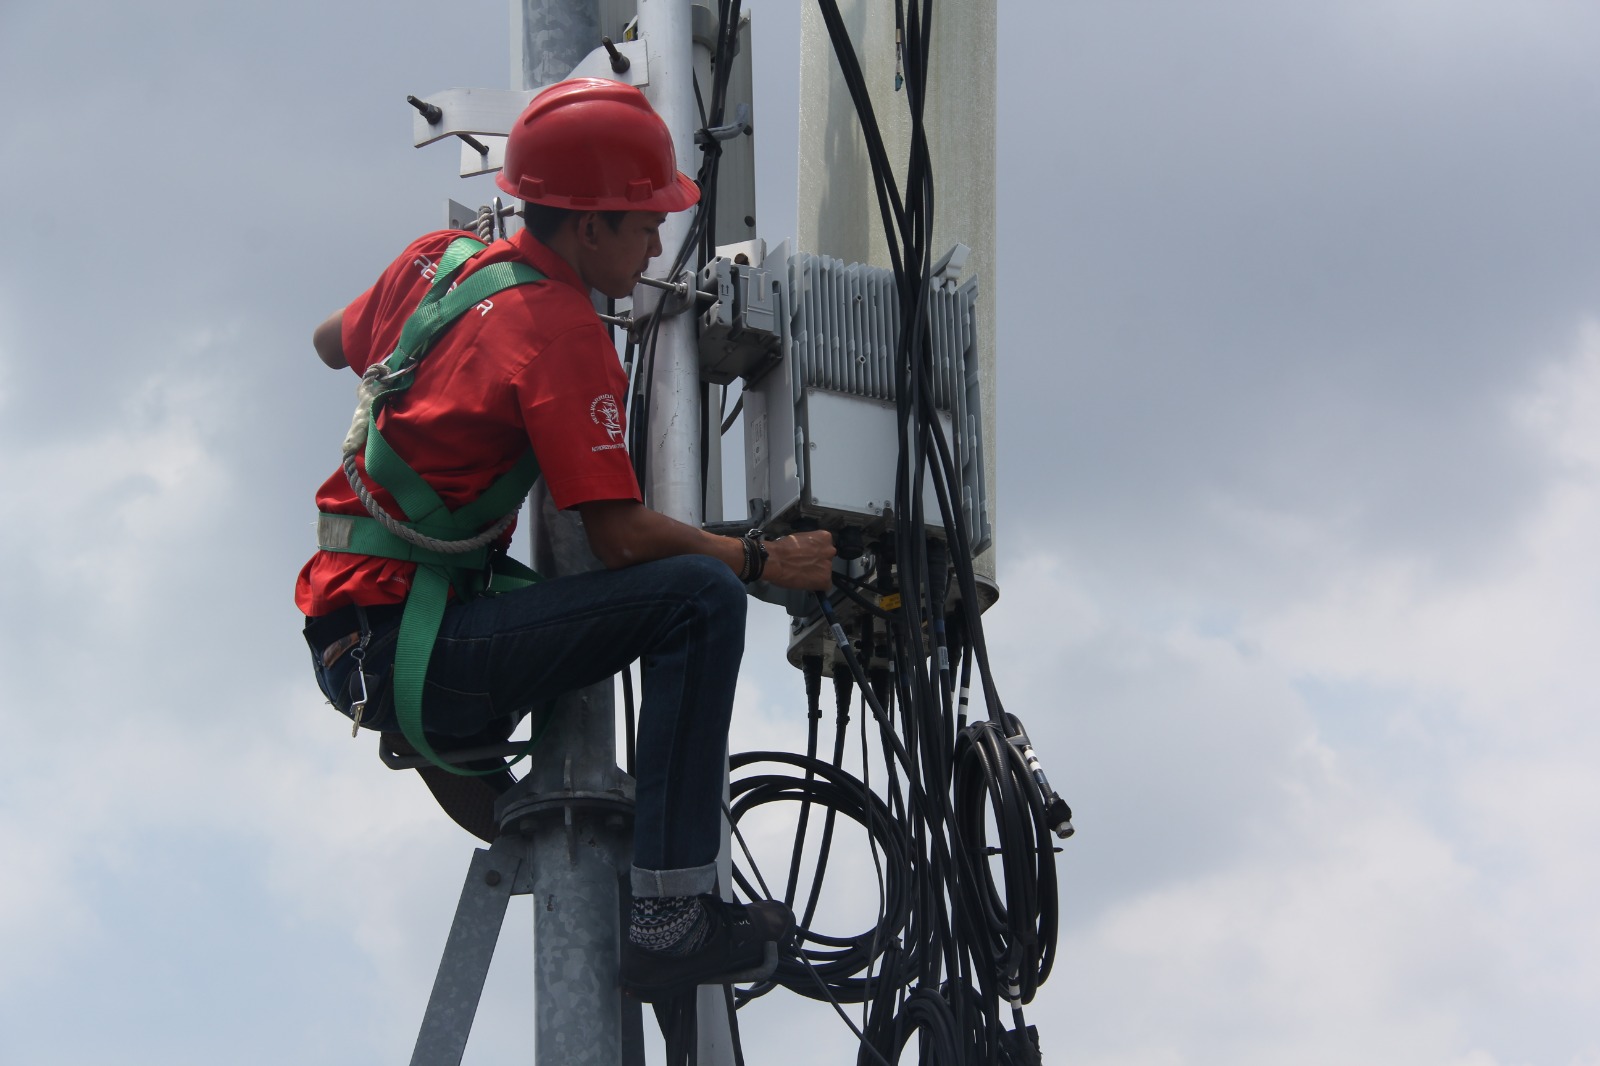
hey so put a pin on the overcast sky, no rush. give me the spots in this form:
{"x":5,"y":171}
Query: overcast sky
{"x":1299,"y":446}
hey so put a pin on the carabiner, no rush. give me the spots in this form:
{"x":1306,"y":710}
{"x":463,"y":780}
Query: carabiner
{"x":358,"y":655}
{"x":384,"y":377}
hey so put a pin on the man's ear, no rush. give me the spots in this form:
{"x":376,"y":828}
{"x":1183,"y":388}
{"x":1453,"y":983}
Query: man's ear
{"x":585,"y":225}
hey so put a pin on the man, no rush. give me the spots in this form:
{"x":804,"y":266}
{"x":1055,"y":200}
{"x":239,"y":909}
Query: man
{"x":532,"y":366}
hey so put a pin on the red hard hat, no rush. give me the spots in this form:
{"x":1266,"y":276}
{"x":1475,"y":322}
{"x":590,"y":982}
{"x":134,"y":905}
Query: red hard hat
{"x":589,"y":144}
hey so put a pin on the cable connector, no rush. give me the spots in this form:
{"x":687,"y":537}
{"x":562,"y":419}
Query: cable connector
{"x":811,"y":666}
{"x":843,"y":694}
{"x":1025,"y":1044}
{"x":1057,"y":814}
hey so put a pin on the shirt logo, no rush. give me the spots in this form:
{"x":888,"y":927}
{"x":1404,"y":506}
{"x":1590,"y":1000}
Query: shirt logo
{"x":604,"y":412}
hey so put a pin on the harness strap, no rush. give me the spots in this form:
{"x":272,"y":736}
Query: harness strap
{"x":439,"y":309}
{"x":470,"y":573}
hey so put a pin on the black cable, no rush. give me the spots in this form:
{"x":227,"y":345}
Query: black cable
{"x":966,"y":926}
{"x":812,"y":668}
{"x":733,"y":415}
{"x":837,"y":959}
{"x":846,"y":586}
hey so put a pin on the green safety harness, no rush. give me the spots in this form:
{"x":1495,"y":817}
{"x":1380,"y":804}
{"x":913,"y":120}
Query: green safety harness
{"x":452,"y":550}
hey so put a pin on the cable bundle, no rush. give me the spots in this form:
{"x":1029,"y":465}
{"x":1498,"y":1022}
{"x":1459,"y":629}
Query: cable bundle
{"x":967,"y":922}
{"x":959,"y":822}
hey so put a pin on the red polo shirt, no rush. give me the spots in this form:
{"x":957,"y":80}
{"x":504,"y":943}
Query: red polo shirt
{"x":530,"y":365}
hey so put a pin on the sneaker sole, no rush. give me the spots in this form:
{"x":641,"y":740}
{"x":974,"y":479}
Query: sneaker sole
{"x":760,"y":972}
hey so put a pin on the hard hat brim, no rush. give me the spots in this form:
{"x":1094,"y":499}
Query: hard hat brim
{"x":682,"y":194}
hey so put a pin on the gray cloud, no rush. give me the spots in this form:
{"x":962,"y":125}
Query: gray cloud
{"x":1293,"y":260}
{"x":1296,"y":533}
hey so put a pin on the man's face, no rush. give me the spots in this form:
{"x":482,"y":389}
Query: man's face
{"x":614,"y":259}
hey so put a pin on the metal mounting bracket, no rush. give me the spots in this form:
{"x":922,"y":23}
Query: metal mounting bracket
{"x":947,"y":271}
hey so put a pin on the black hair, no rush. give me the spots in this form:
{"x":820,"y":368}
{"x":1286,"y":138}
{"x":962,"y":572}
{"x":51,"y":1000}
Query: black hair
{"x":543,"y":221}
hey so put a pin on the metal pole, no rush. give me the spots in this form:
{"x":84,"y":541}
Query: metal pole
{"x":673,"y":483}
{"x":555,"y":35}
{"x":673,"y":486}
{"x":578,"y":853}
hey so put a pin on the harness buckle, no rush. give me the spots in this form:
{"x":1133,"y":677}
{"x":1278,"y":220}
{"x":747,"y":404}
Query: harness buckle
{"x":385,"y":377}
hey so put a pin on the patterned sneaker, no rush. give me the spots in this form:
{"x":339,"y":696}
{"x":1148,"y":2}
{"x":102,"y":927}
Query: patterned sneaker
{"x":742,"y":945}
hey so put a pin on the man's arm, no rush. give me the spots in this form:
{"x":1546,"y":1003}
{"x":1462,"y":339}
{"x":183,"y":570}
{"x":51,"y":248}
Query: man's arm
{"x":328,"y":340}
{"x":626,"y":532}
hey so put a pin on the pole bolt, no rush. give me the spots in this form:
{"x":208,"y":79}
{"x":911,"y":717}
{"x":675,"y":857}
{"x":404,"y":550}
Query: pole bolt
{"x":429,"y":111}
{"x":619,"y":62}
{"x":492,"y":878}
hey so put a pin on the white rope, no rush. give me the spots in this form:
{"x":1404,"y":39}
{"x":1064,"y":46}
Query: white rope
{"x":411,"y":536}
{"x":356,"y":440}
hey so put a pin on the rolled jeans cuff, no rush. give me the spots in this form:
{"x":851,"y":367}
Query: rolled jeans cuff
{"x":693,"y":881}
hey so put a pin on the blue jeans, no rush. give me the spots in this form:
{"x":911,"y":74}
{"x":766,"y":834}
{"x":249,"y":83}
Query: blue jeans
{"x":499,"y":656}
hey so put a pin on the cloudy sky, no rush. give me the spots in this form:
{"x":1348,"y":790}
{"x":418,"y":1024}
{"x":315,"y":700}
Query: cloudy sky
{"x":1299,"y":444}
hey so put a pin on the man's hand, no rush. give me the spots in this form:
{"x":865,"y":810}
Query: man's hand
{"x":801,"y":561}
{"x":626,"y":533}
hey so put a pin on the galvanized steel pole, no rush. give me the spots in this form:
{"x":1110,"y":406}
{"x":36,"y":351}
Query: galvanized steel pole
{"x":579,"y":852}
{"x":674,"y":483}
{"x":577,"y":1015}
